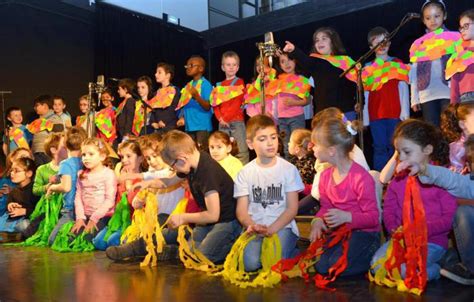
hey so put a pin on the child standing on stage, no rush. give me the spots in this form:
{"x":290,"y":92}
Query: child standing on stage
{"x":141,"y":120}
{"x":59,"y":105}
{"x":420,"y":142}
{"x":327,"y":54}
{"x":105,"y":120}
{"x":67,"y":174}
{"x":126,"y":109}
{"x":264,"y":213}
{"x":293,"y":95}
{"x":42,"y":127}
{"x":17,"y":135}
{"x":82,"y":121}
{"x":385,"y":105}
{"x":222,"y":149}
{"x":96,"y":188}
{"x":196,"y":113}
{"x":457,"y":123}
{"x":164,"y":116}
{"x":429,"y":89}
{"x":347,"y":196}
{"x":228,"y":110}
{"x":462,"y":82}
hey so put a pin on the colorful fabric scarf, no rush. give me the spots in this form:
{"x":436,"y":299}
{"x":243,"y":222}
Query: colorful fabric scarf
{"x":253,"y":94}
{"x":186,"y":95}
{"x":222,"y":94}
{"x":138,"y":118}
{"x":39,"y":125}
{"x":163,"y":98}
{"x":341,"y":62}
{"x":375,"y":75}
{"x":434,"y":45}
{"x":104,"y":123}
{"x":459,"y":61}
{"x":294,"y":84}
{"x":19,"y":138}
{"x":81,"y":120}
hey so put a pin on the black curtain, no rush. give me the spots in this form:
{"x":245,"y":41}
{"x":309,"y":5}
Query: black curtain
{"x":130,"y":45}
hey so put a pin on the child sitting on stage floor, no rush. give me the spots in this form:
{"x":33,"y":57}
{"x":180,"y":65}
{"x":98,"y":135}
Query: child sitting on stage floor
{"x":267,"y":193}
{"x":21,"y":201}
{"x":222,"y":149}
{"x":67,"y":174}
{"x":347,"y":196}
{"x":196,"y":113}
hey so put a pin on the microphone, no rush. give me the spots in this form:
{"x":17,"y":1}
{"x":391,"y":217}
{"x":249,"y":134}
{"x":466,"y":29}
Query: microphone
{"x":269,"y":48}
{"x":114,"y":79}
{"x":99,"y":87}
{"x":413,"y":16}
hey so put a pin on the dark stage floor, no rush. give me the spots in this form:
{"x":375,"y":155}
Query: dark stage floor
{"x":40,"y":274}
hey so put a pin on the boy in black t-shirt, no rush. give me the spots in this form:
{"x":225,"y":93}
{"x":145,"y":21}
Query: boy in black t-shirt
{"x":216,"y":225}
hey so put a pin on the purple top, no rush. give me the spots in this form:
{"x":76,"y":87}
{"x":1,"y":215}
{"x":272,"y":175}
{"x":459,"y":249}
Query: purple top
{"x":355,"y":194}
{"x":462,"y":82}
{"x":440,"y":207}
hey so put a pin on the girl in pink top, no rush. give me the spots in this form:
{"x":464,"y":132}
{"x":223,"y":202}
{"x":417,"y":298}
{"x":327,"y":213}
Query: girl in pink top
{"x":290,"y":102}
{"x":347,"y":196}
{"x":95,"y":190}
{"x":420,"y":142}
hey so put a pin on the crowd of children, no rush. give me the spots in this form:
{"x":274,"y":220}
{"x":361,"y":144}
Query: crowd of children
{"x":295,"y":170}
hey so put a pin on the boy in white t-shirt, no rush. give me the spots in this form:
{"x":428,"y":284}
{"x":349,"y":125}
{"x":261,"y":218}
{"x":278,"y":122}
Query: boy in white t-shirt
{"x":267,"y":193}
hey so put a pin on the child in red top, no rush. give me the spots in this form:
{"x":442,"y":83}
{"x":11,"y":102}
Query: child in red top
{"x":229,"y":113}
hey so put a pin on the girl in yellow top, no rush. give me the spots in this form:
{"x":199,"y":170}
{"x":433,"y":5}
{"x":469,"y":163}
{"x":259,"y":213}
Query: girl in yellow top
{"x":222,"y":148}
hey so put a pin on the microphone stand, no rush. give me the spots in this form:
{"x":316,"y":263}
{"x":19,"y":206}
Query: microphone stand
{"x":267,"y":49}
{"x":90,"y":120}
{"x":358,"y":67}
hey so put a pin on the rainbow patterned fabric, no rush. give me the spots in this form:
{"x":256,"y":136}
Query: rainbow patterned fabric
{"x":434,"y":45}
{"x":459,"y":61}
{"x":39,"y":124}
{"x":341,"y":62}
{"x":163,"y":98}
{"x":222,"y":94}
{"x":375,"y":75}
{"x":294,"y":84}
{"x":186,"y":96}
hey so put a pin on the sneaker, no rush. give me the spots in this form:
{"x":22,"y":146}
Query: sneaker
{"x":458,"y":273}
{"x":128,"y":250}
{"x":6,"y":237}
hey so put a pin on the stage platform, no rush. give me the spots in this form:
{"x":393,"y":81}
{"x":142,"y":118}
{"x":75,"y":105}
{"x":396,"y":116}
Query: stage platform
{"x":40,"y":274}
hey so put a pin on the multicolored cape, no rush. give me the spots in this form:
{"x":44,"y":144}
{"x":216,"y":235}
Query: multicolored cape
{"x":341,"y":62}
{"x":222,"y":94}
{"x":138,"y":118}
{"x":375,"y":75}
{"x":294,"y":84}
{"x":81,"y":120}
{"x":120,"y":107}
{"x":19,"y":138}
{"x":163,"y":98}
{"x":104,"y":123}
{"x":39,"y":125}
{"x":460,"y":60}
{"x":434,"y":45}
{"x":186,"y":96}
{"x":252,"y":96}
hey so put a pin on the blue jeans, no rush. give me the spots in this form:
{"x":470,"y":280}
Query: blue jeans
{"x":382,"y":132}
{"x":467,"y":97}
{"x":66,"y":216}
{"x":463,"y":227}
{"x":435,"y":253}
{"x":215,"y":241}
{"x":362,"y":247}
{"x":432,"y":110}
{"x":253,"y":250}
{"x":287,"y":125}
{"x":13,"y":225}
{"x":113,"y":240}
{"x":237,"y":131}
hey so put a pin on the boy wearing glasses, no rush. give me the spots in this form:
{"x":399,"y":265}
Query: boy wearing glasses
{"x":196,"y":113}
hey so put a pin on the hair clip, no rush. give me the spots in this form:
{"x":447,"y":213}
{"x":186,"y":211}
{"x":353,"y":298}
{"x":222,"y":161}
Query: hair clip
{"x":433,"y":1}
{"x":350,"y":129}
{"x":100,"y":144}
{"x":232,"y":139}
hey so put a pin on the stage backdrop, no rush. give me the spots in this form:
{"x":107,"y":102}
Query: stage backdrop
{"x":130,"y":45}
